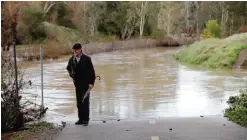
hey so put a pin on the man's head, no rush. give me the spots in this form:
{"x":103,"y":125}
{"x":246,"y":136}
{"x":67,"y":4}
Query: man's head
{"x":77,"y":48}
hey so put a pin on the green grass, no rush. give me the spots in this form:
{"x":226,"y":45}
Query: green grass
{"x":214,"y":53}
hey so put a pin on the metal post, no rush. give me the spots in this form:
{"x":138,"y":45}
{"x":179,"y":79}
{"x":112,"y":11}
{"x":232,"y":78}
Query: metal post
{"x":41,"y":64}
{"x":16,"y":77}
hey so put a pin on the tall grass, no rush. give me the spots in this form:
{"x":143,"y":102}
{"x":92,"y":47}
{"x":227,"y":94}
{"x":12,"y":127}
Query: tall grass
{"x":214,"y":53}
{"x":52,"y":49}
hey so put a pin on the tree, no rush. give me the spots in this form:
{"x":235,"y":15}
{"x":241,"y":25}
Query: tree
{"x":31,"y":23}
{"x":212,"y":31}
{"x":48,"y":5}
{"x":143,"y":13}
{"x":224,"y":15}
{"x":169,"y":16}
{"x":9,"y":15}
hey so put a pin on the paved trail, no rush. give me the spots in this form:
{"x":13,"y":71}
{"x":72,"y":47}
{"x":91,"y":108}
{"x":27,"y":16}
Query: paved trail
{"x":196,"y":128}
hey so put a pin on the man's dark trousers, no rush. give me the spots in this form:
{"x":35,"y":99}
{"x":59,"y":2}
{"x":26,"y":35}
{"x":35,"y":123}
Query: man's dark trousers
{"x":83,"y":107}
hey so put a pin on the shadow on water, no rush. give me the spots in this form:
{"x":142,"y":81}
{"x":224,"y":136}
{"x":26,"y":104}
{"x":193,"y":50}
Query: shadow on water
{"x":141,"y":83}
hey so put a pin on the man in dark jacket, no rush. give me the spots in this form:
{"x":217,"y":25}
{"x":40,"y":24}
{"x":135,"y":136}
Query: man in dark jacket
{"x":82,"y":72}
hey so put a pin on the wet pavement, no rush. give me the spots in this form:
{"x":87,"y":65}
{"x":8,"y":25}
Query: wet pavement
{"x":175,"y":128}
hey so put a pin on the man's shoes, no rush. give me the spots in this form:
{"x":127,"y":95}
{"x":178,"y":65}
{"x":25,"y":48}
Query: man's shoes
{"x":79,"y":122}
{"x":85,"y":123}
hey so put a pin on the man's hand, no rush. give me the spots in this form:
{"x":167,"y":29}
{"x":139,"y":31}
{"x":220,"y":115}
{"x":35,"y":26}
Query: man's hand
{"x":90,"y":86}
{"x":71,"y":75}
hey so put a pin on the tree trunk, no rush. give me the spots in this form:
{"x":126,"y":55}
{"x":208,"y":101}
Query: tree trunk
{"x":130,"y":31}
{"x":187,"y":14}
{"x":48,"y":6}
{"x":169,"y":21}
{"x":123,"y":34}
{"x":142,"y":15}
{"x":231,"y":29}
{"x":197,"y":20}
{"x":141,"y":22}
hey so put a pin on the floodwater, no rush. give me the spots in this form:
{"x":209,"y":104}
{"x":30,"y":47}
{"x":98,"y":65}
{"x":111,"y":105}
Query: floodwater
{"x":136,"y":84}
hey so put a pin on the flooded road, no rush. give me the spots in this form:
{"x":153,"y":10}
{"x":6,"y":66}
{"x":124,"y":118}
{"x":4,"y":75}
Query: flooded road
{"x":141,"y":83}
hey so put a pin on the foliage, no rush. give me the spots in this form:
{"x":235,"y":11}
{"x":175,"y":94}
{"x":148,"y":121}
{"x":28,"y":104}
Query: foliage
{"x":213,"y":53}
{"x":237,"y":112}
{"x":10,"y":110}
{"x":9,"y":21}
{"x":122,"y":19}
{"x":31,"y":26}
{"x":212,"y":30}
{"x":157,"y":34}
{"x":62,"y":16}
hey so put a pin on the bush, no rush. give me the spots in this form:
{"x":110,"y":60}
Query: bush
{"x":212,"y":30}
{"x":10,"y":109}
{"x":31,"y":26}
{"x":237,"y":112}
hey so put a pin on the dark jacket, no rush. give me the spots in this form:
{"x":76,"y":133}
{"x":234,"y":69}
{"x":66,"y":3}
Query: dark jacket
{"x":82,"y":72}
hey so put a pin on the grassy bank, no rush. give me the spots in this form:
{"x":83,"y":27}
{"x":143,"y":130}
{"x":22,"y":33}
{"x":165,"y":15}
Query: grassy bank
{"x":214,"y":53}
{"x":237,"y":112}
{"x":37,"y":131}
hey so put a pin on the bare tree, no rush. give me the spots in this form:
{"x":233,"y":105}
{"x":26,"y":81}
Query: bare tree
{"x":143,"y":13}
{"x":187,"y":9}
{"x":224,"y":15}
{"x":48,"y":5}
{"x":197,"y":19}
{"x":169,"y":16}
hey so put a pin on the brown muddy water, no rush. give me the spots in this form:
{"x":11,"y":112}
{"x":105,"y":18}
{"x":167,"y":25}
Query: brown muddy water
{"x":136,"y":84}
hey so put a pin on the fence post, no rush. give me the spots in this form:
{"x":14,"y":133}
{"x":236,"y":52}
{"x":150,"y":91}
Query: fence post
{"x":16,"y":76}
{"x":41,"y":65}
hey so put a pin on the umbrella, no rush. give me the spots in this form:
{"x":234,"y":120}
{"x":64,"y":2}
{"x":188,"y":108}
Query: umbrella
{"x":88,"y":91}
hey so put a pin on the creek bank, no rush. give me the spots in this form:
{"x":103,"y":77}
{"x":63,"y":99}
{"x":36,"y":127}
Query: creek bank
{"x":37,"y":131}
{"x":54,"y":49}
{"x":227,"y":53}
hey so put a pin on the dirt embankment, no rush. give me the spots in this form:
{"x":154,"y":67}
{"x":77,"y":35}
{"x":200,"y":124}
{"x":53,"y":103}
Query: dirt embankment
{"x":241,"y":62}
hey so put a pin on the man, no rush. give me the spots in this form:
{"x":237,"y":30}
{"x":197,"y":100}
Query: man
{"x":82,"y":72}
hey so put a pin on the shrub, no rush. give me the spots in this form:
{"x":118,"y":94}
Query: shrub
{"x":237,"y":112}
{"x":10,"y":109}
{"x":212,"y":30}
{"x":31,"y":26}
